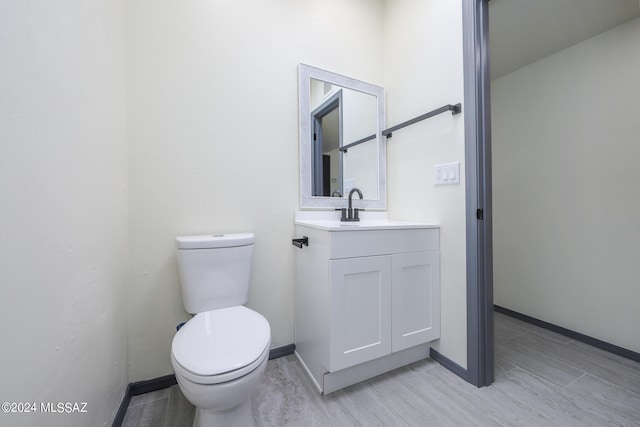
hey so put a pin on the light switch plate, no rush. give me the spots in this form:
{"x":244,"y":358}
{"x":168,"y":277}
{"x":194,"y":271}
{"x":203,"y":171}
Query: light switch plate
{"x":446,"y":173}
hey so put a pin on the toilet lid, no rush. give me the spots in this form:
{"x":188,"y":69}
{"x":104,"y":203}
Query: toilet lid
{"x":219,"y":341}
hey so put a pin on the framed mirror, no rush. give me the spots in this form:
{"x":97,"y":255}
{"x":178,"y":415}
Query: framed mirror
{"x":341,"y":142}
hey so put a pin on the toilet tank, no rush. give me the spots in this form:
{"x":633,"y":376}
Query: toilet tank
{"x":214,"y":270}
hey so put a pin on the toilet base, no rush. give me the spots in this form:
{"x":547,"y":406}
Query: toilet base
{"x":238,"y":416}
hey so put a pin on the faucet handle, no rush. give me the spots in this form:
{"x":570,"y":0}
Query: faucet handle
{"x":356,"y":217}
{"x":343,"y":212}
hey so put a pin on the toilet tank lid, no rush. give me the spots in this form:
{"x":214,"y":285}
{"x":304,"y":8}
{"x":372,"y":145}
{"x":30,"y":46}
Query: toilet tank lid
{"x":212,"y":241}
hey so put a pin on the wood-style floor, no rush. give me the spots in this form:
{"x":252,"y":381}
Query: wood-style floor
{"x":542,"y":379}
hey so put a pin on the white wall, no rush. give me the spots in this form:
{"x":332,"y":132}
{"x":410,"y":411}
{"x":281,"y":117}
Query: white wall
{"x":195,"y":73}
{"x":566,"y":188}
{"x":213,"y":128}
{"x":63,"y":215}
{"x":424,"y":71}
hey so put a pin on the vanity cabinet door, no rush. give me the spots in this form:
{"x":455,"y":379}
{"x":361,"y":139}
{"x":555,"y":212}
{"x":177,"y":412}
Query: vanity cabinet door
{"x":415,"y":299}
{"x":360,"y":310}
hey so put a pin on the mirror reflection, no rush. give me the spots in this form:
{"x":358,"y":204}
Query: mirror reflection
{"x":341,"y":117}
{"x":341,"y":146}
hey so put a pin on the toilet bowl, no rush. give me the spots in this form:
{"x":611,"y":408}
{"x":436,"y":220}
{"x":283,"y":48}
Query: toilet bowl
{"x":219,"y":357}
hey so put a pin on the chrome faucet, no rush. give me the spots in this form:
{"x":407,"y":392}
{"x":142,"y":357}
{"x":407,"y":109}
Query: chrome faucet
{"x":351,"y":214}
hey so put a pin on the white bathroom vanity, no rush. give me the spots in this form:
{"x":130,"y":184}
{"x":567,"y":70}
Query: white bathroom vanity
{"x":367,"y":296}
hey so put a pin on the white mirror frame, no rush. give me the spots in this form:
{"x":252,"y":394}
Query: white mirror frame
{"x":305,"y":74}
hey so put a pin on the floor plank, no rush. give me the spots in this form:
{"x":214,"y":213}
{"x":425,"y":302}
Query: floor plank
{"x":542,"y":379}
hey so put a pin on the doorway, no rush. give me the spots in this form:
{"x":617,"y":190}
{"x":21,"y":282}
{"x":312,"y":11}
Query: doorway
{"x":564,"y":234}
{"x":595,"y":197}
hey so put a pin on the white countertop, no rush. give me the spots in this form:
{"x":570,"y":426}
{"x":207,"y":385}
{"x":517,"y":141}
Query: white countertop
{"x":330,"y":221}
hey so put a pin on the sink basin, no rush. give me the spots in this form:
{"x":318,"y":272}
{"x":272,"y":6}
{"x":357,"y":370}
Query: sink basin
{"x":326,"y":220}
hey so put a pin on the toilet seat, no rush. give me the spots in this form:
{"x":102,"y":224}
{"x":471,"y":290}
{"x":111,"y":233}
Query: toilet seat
{"x":221,"y":345}
{"x":221,"y":378}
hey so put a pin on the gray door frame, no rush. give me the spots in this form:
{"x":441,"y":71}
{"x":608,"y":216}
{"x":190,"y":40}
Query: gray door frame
{"x":480,"y":353}
{"x":317,"y":139}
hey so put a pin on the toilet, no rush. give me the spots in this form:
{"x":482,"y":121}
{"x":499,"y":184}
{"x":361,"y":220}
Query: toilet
{"x":220,"y":355}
